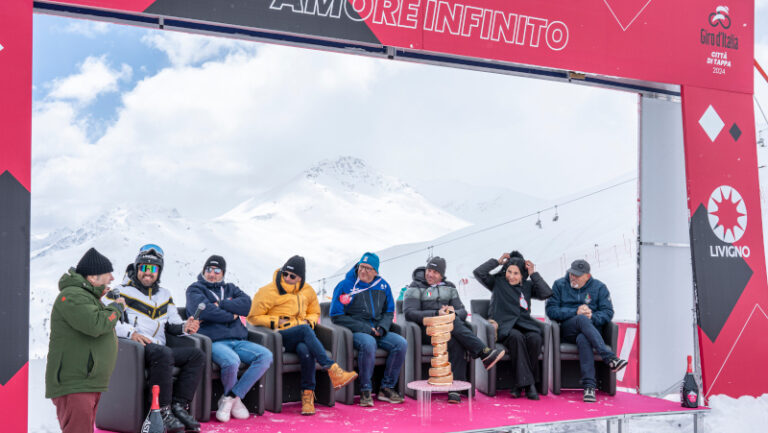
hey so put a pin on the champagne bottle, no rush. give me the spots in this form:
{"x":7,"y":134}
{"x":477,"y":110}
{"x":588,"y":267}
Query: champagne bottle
{"x":154,"y":421}
{"x":689,"y":391}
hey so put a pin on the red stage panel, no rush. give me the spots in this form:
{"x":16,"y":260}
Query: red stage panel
{"x":726,"y":238}
{"x":487,"y":412}
{"x":691,"y":42}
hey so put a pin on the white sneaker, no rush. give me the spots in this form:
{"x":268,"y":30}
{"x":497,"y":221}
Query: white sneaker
{"x":239,"y":410}
{"x":225,"y":408}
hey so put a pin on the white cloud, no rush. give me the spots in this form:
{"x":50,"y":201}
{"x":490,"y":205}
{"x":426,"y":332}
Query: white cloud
{"x":187,"y":49}
{"x":249,"y":118}
{"x":89,"y":29}
{"x":94,"y":78}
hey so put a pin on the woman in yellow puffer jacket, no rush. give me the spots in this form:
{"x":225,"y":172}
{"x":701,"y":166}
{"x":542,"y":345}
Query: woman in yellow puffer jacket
{"x":289,"y":305}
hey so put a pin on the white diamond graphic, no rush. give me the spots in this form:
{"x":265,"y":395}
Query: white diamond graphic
{"x":1,"y":47}
{"x":711,"y":123}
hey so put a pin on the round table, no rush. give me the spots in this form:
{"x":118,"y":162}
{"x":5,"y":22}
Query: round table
{"x":424,"y":392}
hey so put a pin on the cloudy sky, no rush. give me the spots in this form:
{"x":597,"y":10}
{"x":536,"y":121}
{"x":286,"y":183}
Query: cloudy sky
{"x":130,"y":115}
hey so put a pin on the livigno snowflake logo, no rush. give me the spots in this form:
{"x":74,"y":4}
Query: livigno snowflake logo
{"x":727,"y":214}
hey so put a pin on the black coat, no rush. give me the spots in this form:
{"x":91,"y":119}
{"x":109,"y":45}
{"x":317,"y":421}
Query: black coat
{"x":505,"y":307}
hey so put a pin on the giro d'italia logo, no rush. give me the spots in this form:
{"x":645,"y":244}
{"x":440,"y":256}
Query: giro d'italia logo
{"x":727,"y":214}
{"x":720,"y":17}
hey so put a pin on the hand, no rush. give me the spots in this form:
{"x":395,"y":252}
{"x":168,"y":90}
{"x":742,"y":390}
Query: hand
{"x":140,"y":338}
{"x":216,"y":304}
{"x":191,"y":326}
{"x":449,"y":309}
{"x":375,"y":332}
{"x":530,"y":267}
{"x":494,"y":323}
{"x":442,"y":311}
{"x":282,"y":322}
{"x":584,"y":310}
{"x":504,"y":258}
{"x":121,"y":301}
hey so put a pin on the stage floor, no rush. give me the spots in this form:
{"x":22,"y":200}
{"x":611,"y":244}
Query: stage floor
{"x":487,"y":412}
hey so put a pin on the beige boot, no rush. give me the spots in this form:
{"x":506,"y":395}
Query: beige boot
{"x":307,"y":402}
{"x":340,"y":377}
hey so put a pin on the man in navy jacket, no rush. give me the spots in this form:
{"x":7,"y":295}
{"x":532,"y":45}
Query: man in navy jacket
{"x":220,"y":321}
{"x":363,"y":302}
{"x":582,"y":305}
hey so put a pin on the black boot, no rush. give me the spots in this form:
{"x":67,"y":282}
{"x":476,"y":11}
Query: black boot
{"x":531,"y":393}
{"x":171,"y":423}
{"x":181,"y":411}
{"x":515,"y":392}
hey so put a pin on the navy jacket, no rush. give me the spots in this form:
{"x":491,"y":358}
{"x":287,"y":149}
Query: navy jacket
{"x":370,"y":305}
{"x":506,"y":306}
{"x":218,"y":323}
{"x":565,"y":301}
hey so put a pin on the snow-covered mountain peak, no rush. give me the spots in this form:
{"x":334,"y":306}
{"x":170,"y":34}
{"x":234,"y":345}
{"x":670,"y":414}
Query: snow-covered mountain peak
{"x":353,"y":174}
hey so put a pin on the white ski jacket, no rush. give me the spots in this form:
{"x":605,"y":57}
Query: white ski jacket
{"x":149,"y":313}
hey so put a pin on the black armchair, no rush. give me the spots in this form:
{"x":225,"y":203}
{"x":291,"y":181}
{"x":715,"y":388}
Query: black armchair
{"x":347,"y":357}
{"x":566,"y":371}
{"x":282,"y":380}
{"x":123,"y":407}
{"x":488,"y":381}
{"x":418,"y":359}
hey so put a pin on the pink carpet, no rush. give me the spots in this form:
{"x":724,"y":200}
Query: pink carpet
{"x":487,"y":412}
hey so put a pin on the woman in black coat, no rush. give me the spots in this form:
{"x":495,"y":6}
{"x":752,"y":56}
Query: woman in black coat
{"x":510,"y":313}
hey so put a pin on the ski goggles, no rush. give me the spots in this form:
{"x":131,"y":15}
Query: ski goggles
{"x":213,"y":270}
{"x":149,"y":268}
{"x":152,"y":248}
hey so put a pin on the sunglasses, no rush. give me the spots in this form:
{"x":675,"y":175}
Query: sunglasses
{"x":213,"y":269}
{"x":366,"y":268}
{"x":289,"y":275}
{"x":152,"y":248}
{"x":149,"y":268}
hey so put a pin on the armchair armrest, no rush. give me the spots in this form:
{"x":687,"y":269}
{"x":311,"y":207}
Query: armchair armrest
{"x":328,"y":338}
{"x":484,"y":330}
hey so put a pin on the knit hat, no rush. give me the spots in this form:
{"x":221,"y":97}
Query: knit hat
{"x":516,"y":259}
{"x":297,"y":265}
{"x":437,"y":264}
{"x":370,"y":259}
{"x":218,"y":262}
{"x":93,"y":263}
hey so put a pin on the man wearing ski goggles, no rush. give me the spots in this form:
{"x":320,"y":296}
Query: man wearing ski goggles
{"x":151,"y":315}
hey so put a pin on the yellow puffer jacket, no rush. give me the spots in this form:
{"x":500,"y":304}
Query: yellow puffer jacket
{"x":297,"y":305}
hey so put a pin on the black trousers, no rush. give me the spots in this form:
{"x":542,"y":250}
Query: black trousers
{"x":523,"y":347}
{"x":463,"y":342}
{"x":160,"y":360}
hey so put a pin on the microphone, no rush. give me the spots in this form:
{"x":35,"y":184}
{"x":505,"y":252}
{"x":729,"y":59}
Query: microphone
{"x":199,"y":310}
{"x":113,"y":294}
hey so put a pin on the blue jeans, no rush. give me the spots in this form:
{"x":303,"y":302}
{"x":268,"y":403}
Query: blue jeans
{"x":229,"y":353}
{"x":580,"y":330}
{"x":366,"y":345}
{"x":303,"y":341}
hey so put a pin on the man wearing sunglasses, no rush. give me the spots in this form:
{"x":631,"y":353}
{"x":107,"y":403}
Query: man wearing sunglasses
{"x":290,"y":306}
{"x":150,"y":315}
{"x":220,"y":321}
{"x":363,"y":302}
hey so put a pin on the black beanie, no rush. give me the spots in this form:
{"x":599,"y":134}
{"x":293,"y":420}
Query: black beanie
{"x":437,"y":263}
{"x":297,"y":265}
{"x":93,"y":263}
{"x":517,"y":259}
{"x":218,"y":262}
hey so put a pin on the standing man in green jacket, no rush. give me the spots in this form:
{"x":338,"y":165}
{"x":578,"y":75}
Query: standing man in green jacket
{"x":83,"y":346}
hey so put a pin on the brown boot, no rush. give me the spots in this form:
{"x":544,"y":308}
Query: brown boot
{"x":307,"y":402}
{"x":340,"y":377}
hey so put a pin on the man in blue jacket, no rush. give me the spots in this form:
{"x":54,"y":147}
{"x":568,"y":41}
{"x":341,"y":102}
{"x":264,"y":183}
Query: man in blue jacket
{"x":220,"y":321}
{"x":363,"y":302}
{"x":582,"y":305}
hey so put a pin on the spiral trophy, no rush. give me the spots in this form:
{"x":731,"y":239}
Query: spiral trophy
{"x":439,"y":329}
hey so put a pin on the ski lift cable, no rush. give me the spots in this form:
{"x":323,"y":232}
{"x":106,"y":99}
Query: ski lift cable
{"x":495,"y":226}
